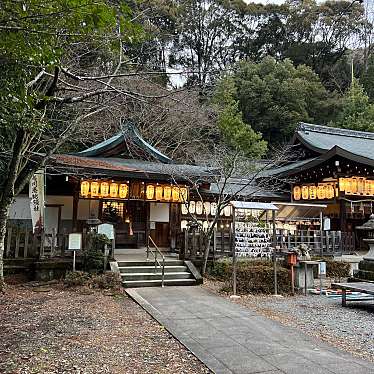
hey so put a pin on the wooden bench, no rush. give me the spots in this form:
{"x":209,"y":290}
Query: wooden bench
{"x":363,"y":287}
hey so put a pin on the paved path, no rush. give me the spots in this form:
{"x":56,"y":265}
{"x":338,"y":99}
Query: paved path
{"x":229,"y":338}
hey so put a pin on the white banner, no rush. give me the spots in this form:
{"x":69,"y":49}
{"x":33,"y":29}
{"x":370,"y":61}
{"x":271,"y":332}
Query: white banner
{"x":36,"y":194}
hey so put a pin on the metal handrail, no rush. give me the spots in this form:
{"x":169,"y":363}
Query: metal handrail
{"x":156,"y":260}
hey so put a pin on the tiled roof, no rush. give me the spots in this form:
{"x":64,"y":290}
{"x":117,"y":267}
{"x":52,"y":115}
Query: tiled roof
{"x":323,"y":138}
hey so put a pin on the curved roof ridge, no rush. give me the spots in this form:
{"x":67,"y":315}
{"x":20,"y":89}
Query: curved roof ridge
{"x":303,"y":126}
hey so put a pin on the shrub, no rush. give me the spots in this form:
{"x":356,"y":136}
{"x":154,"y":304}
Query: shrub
{"x":93,"y":256}
{"x":76,"y":278}
{"x":107,"y":280}
{"x":334,"y":269}
{"x":253,"y":276}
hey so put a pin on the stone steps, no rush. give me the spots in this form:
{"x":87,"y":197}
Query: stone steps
{"x":137,"y":273}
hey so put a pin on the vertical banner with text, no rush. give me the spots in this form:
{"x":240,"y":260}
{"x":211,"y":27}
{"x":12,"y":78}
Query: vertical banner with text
{"x":36,"y":194}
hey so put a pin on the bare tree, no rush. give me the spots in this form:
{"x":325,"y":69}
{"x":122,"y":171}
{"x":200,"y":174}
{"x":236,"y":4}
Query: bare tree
{"x":231,"y":176}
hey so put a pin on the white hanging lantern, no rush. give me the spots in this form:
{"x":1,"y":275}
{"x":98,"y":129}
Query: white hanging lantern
{"x":167,"y":193}
{"x":184,"y":209}
{"x":159,"y":191}
{"x":104,"y":189}
{"x":206,"y":207}
{"x":199,"y":207}
{"x":227,"y":211}
{"x":213,"y":209}
{"x":94,"y":189}
{"x":150,"y":191}
{"x":192,"y":207}
{"x":175,"y":193}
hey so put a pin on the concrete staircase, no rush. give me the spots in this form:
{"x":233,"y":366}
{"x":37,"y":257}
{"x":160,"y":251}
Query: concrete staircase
{"x":138,"y":273}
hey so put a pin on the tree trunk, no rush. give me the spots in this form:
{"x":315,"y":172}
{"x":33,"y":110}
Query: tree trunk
{"x":4,"y":211}
{"x":206,"y":254}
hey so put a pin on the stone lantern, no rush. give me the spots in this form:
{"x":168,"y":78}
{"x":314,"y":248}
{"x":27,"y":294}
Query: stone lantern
{"x":366,"y":266}
{"x":369,"y":228}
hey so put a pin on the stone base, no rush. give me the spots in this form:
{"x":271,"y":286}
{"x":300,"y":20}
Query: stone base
{"x":365,"y":270}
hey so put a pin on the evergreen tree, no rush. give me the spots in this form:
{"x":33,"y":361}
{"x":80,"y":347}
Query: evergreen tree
{"x":357,"y":112}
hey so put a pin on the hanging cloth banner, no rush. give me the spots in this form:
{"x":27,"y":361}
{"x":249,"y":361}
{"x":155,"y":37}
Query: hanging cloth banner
{"x":36,"y":194}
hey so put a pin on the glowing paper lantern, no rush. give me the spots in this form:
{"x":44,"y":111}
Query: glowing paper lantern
{"x":360,"y":185}
{"x":321,"y":192}
{"x":184,"y":225}
{"x":85,"y":188}
{"x":354,"y":186}
{"x":192,"y":207}
{"x":175,"y":193}
{"x":367,"y":188}
{"x":150,"y":192}
{"x":123,"y":190}
{"x":330,"y":191}
{"x":227,"y":211}
{"x":213,"y":209}
{"x":94,"y":189}
{"x":342,"y":184}
{"x":183,"y":195}
{"x":207,"y":207}
{"x":297,"y":193}
{"x":199,"y":207}
{"x":305,"y":192}
{"x":167,"y":193}
{"x":159,"y":191}
{"x":184,"y":209}
{"x":113,"y":190}
{"x":104,"y":189}
{"x":312,"y":192}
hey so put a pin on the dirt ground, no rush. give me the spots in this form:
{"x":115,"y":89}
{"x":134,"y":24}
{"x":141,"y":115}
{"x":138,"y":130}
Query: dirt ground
{"x":51,"y":329}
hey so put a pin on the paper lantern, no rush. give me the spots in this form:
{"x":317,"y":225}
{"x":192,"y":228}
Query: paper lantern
{"x":330,"y":191}
{"x":305,"y":192}
{"x":184,"y":209}
{"x":183,"y":195}
{"x":207,"y":207}
{"x":159,"y":191}
{"x":297,"y":193}
{"x":94,"y":189}
{"x":227,"y":211}
{"x":85,"y":188}
{"x":213,"y":209}
{"x":123,"y":190}
{"x":372,"y":188}
{"x":104,"y":189}
{"x":192,"y":207}
{"x":150,"y":192}
{"x":342,"y":184}
{"x":175,"y":193}
{"x":113,"y":190}
{"x":184,"y":225}
{"x":354,"y":186}
{"x":205,"y":225}
{"x":312,"y":192}
{"x":367,"y":187}
{"x":167,"y":193}
{"x":199,"y":207}
{"x":360,"y":186}
{"x":321,"y":193}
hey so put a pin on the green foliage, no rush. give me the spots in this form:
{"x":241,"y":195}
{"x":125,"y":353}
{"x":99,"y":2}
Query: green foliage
{"x":93,"y":256}
{"x":253,"y":276}
{"x":368,"y":78}
{"x":334,"y":269}
{"x":357,"y":112}
{"x":237,"y":134}
{"x":274,"y":96}
{"x":107,"y":280}
{"x":76,"y":278}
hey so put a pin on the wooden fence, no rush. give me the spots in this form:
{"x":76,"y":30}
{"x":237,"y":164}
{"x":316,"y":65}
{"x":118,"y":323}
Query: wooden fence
{"x":192,"y":244}
{"x":23,"y":243}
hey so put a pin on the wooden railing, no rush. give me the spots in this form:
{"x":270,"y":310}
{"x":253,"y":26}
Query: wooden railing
{"x":23,"y":243}
{"x":192,"y":244}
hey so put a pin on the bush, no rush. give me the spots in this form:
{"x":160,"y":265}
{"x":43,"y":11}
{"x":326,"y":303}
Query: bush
{"x":253,"y":276}
{"x":93,"y":257}
{"x":76,"y":278}
{"x":334,"y":269}
{"x":108,"y":280}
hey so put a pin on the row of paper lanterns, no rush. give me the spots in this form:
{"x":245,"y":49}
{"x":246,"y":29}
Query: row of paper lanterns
{"x":121,"y":190}
{"x":311,"y":192}
{"x":199,"y":208}
{"x":356,"y":186}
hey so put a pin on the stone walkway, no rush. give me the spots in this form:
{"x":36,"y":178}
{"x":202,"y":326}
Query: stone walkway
{"x":229,"y":338}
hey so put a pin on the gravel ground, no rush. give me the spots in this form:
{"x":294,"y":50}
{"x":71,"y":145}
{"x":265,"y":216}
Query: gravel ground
{"x":56,"y":330}
{"x":350,"y":329}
